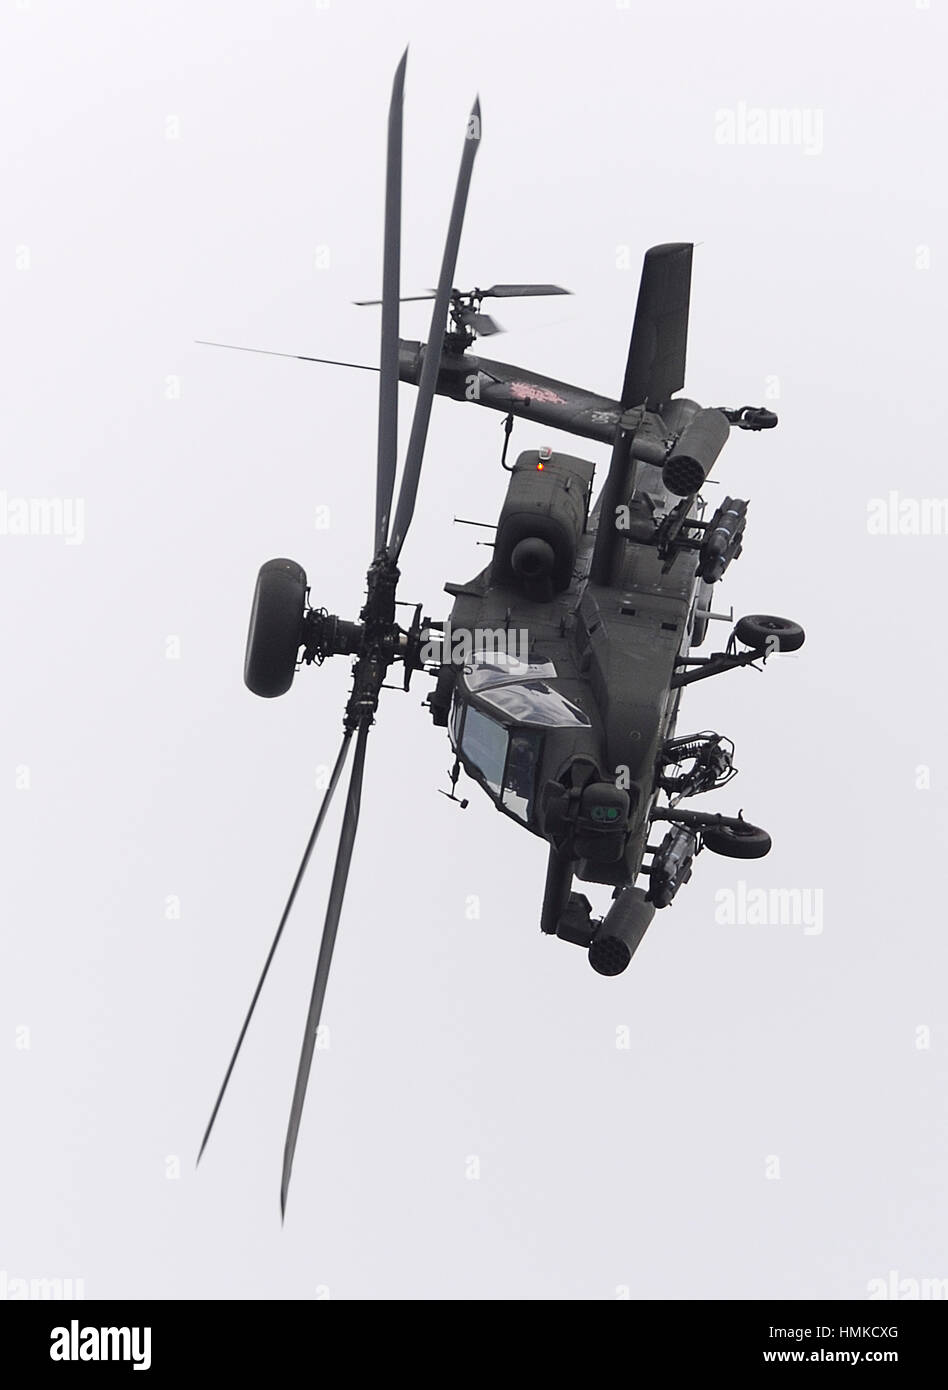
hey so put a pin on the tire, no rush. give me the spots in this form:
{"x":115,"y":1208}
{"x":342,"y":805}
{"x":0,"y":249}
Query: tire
{"x":759,"y":630}
{"x":276,"y":628}
{"x":745,"y":841}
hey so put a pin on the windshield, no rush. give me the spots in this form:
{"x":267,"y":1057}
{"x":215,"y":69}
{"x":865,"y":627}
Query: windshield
{"x":520,"y":774}
{"x":484,"y":743}
{"x":505,"y":759}
{"x":494,"y":668}
{"x":535,"y":702}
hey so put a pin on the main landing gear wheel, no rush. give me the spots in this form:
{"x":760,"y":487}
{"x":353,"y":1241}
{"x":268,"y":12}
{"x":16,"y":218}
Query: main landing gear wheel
{"x":763,"y":630}
{"x":740,"y":841}
{"x":276,"y":627}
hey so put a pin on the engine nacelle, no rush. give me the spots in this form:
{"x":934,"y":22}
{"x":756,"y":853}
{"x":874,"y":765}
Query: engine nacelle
{"x":541,"y":522}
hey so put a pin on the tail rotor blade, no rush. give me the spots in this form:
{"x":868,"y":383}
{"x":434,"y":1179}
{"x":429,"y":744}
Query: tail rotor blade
{"x":337,"y":893}
{"x":388,"y":360}
{"x":327,"y":798}
{"x":520,"y":291}
{"x":485,"y":326}
{"x":432,"y":361}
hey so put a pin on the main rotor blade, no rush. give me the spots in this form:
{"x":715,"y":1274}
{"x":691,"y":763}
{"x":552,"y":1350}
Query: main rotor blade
{"x":432,"y":361}
{"x":402,"y":299}
{"x":388,"y":379}
{"x":521,"y":291}
{"x":297,"y":356}
{"x":337,"y":893}
{"x":334,"y":778}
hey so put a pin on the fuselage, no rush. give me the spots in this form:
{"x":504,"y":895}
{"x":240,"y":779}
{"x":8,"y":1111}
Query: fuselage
{"x":568,"y":692}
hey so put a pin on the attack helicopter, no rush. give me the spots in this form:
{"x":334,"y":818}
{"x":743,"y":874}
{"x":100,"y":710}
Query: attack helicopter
{"x":559,"y":672}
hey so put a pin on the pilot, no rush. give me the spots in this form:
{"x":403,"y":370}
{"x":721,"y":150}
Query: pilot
{"x":521,"y":764}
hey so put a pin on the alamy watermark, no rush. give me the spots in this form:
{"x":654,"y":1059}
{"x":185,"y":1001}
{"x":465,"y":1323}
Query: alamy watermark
{"x":15,"y":1289}
{"x":897,"y":515}
{"x":796,"y":126}
{"x":907,"y":1289}
{"x":770,"y":907}
{"x":43,"y":516}
{"x":459,"y":646}
{"x":79,"y":1343}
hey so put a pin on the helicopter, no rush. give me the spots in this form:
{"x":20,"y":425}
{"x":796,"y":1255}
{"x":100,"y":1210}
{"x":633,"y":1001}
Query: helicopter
{"x":559,"y":673}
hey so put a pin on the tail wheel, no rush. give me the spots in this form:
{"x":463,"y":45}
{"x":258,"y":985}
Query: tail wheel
{"x":740,"y":841}
{"x":276,"y":627}
{"x":763,"y":630}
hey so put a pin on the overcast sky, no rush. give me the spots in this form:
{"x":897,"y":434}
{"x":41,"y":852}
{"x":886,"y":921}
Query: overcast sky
{"x":754,"y":1109}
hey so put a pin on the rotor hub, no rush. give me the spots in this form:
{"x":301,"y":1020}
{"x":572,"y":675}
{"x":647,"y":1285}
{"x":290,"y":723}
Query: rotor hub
{"x":376,"y":641}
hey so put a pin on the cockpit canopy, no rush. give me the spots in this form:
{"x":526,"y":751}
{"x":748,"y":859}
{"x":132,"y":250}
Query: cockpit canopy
{"x":501,"y":707}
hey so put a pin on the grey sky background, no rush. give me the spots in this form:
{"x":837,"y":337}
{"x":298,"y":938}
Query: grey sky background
{"x":602,"y":1168}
